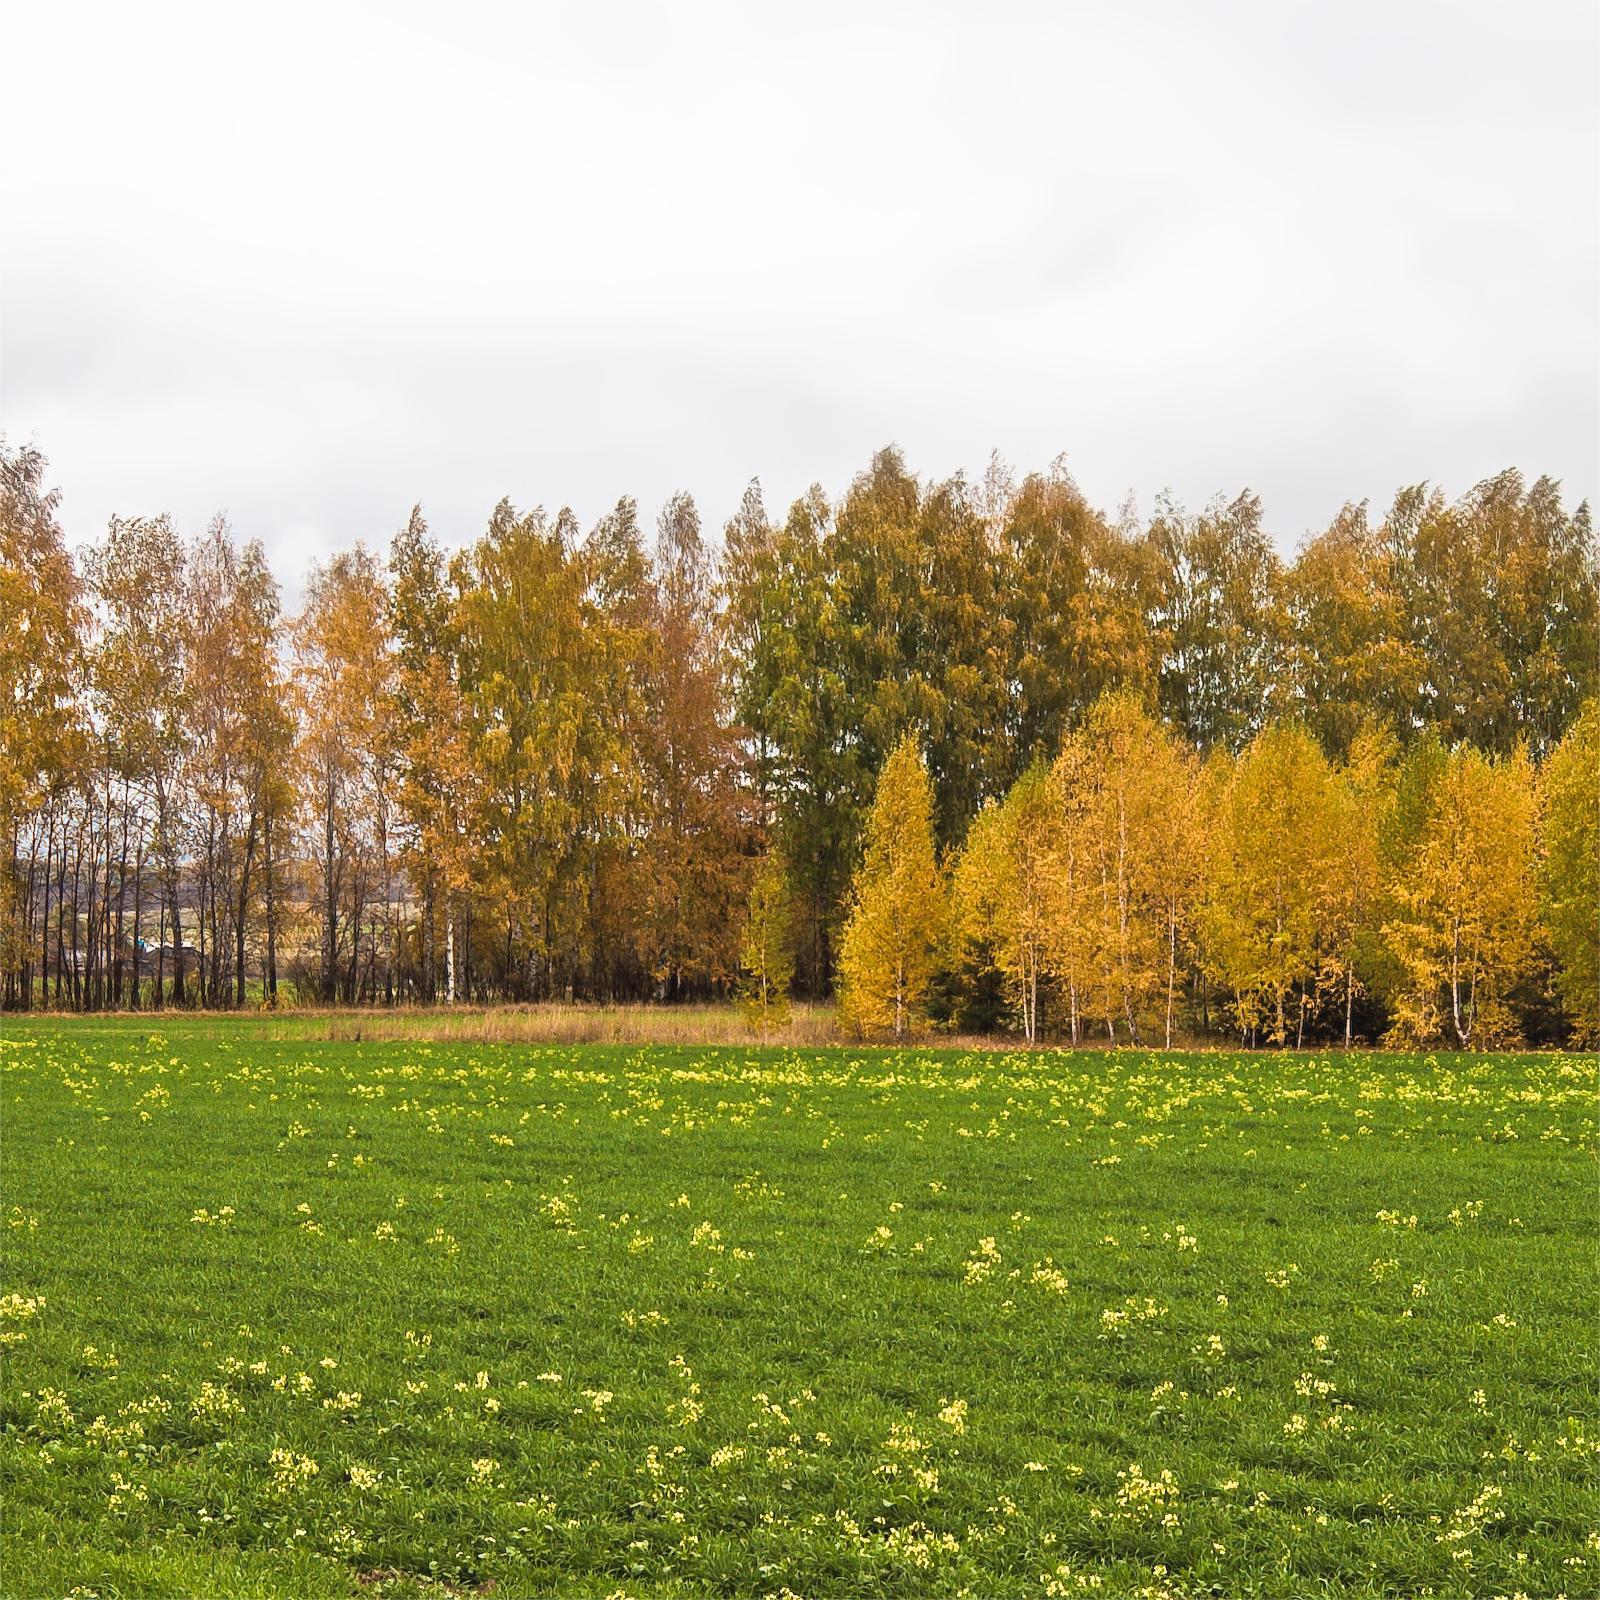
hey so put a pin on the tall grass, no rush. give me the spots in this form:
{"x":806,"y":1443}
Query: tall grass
{"x":556,"y":1023}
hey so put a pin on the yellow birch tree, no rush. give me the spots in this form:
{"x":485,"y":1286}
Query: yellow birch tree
{"x":890,"y":949}
{"x":1131,"y":860}
{"x":1005,"y":886}
{"x":1465,"y":924}
{"x":1360,"y":799}
{"x":1073,"y":936}
{"x":1272,"y":860}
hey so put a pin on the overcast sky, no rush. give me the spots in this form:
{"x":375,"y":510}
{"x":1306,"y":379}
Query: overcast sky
{"x":312,"y":263}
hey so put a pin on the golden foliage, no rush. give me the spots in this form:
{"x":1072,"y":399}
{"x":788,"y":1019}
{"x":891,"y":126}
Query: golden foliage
{"x":1465,"y":927}
{"x":891,"y":945}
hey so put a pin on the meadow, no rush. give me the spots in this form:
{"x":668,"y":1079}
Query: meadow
{"x":297,"y":1316}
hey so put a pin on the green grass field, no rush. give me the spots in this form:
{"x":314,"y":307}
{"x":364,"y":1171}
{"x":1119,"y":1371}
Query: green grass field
{"x":298,"y":1317}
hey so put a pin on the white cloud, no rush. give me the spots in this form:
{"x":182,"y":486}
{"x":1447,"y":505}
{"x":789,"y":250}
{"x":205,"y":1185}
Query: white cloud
{"x":314,"y":262}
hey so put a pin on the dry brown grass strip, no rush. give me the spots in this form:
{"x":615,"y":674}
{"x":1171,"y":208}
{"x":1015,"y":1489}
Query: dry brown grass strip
{"x":558,"y":1023}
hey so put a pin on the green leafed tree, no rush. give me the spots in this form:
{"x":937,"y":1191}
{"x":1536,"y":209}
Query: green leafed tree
{"x":766,"y":946}
{"x":1569,"y":868}
{"x":1219,"y":619}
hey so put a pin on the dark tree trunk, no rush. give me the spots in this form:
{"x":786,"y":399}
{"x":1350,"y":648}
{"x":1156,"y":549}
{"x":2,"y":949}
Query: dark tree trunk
{"x":44,"y":921}
{"x":269,"y":975}
{"x":330,"y":968}
{"x":243,"y":907}
{"x":76,"y":975}
{"x":138,"y":906}
{"x":122,"y":880}
{"x":175,"y":921}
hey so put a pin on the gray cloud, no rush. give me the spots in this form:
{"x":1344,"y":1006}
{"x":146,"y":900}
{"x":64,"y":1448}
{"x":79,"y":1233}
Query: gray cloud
{"x":317,"y":263}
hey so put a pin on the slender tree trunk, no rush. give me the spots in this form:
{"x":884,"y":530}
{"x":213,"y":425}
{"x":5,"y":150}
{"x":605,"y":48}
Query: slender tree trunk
{"x":62,"y":977}
{"x":166,"y":886}
{"x":1172,"y":964}
{"x":1033,"y":998}
{"x":204,"y":911}
{"x":1472,"y":997}
{"x":20,"y":912}
{"x":122,"y":890}
{"x":428,"y":939}
{"x":111,"y":956}
{"x":205,"y":901}
{"x":92,"y":918}
{"x":175,"y":924}
{"x":36,"y":884}
{"x":389,"y":951}
{"x":221,"y":989}
{"x":1106,"y":977}
{"x":91,"y":853}
{"x":1282,"y":1032}
{"x":138,"y":906}
{"x":1124,"y":937}
{"x":353,"y":977}
{"x":269,"y":885}
{"x":243,"y":907}
{"x":330,"y":906}
{"x":203,"y":876}
{"x":108,"y":952}
{"x":44,"y":924}
{"x":1455,"y":984}
{"x":77,"y":971}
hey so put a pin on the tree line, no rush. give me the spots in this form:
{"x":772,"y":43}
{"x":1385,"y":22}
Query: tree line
{"x":604,"y":765}
{"x":1131,"y":891}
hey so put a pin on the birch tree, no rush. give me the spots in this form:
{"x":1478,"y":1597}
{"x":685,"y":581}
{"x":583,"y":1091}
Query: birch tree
{"x":892,"y":938}
{"x":766,"y":945}
{"x":1272,"y":863}
{"x":1465,"y":927}
{"x":1005,"y":888}
{"x":1359,"y":804}
{"x":1130,"y":786}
